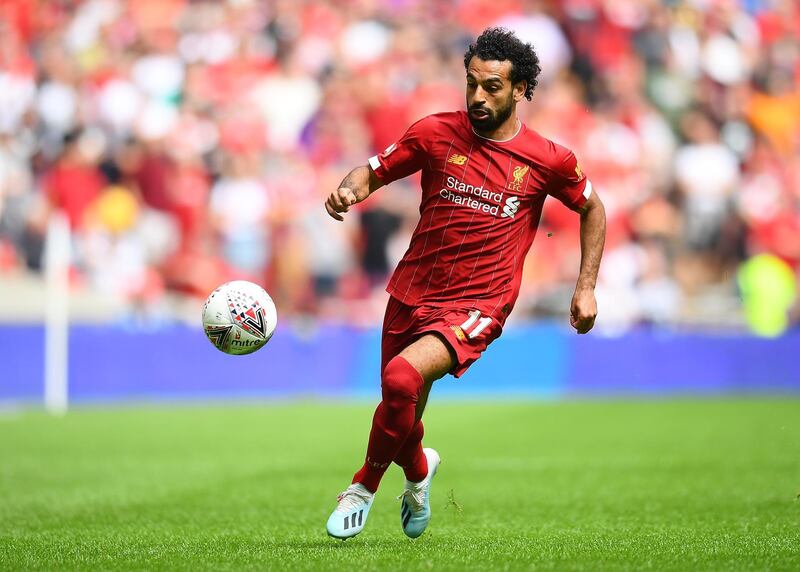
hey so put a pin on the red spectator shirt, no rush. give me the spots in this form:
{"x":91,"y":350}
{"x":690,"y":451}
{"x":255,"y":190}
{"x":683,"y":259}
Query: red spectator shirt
{"x":481,"y":204}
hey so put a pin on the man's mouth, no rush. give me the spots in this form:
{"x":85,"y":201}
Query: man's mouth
{"x":479,"y":113}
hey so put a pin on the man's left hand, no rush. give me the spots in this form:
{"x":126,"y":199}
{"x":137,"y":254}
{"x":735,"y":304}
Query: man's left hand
{"x":583,"y":310}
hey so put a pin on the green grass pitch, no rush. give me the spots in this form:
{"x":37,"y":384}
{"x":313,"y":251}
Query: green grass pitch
{"x":620,"y":485}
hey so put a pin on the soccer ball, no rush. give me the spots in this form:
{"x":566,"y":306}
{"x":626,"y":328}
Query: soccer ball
{"x":239,"y":317}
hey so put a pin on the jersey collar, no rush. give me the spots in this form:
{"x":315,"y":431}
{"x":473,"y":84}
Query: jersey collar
{"x":519,"y":128}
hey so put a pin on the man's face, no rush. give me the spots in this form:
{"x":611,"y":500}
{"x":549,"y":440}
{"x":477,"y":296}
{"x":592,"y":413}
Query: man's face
{"x":490,"y":94}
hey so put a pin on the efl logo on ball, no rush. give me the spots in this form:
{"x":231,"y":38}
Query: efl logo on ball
{"x":239,"y":317}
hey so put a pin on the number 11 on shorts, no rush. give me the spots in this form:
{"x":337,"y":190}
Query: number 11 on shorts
{"x":475,"y":316}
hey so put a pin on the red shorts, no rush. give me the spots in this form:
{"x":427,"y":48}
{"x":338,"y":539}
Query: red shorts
{"x":465,"y":330}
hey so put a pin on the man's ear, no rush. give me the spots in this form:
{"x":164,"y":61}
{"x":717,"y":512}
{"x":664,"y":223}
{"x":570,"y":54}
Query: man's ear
{"x":519,"y":90}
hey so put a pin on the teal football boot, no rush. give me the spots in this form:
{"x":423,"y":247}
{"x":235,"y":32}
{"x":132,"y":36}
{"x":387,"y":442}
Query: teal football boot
{"x":415,"y":510}
{"x":350,"y":515}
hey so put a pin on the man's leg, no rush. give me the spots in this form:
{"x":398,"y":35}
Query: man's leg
{"x":410,"y":456}
{"x":405,"y":383}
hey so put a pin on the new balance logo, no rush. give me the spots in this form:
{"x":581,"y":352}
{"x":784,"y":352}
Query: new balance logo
{"x":457,"y":159}
{"x":511,"y":207}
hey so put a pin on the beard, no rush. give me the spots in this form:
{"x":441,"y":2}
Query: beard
{"x":493,"y":119}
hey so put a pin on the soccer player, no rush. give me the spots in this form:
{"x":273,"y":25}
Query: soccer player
{"x":485,"y":176}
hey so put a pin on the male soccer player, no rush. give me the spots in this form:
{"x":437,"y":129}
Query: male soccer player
{"x":485,"y":176}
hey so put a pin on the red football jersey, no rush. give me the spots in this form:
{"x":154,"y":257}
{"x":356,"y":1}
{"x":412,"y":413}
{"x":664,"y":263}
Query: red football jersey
{"x":481,"y":204}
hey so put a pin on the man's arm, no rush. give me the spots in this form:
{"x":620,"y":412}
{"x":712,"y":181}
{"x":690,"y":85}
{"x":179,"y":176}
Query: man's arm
{"x":356,"y":186}
{"x":583,"y":309}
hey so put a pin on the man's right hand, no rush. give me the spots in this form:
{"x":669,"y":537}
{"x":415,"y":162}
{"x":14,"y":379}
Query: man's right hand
{"x":340,"y":201}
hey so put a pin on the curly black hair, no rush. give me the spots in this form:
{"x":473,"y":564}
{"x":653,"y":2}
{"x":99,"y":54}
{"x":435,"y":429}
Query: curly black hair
{"x":500,"y":44}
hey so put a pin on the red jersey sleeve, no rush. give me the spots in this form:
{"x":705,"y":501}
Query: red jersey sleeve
{"x":570,"y":185}
{"x":407,"y":156}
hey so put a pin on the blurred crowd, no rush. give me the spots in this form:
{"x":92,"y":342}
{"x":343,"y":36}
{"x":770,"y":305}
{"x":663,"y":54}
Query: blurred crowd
{"x":192,"y":142}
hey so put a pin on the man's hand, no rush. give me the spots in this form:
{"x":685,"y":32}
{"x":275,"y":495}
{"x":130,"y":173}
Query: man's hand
{"x":583,"y":310}
{"x":340,"y":201}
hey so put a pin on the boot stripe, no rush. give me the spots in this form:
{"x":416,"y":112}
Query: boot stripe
{"x":346,"y":522}
{"x":406,"y":519}
{"x":360,"y":516}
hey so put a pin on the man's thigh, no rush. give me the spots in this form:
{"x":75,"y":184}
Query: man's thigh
{"x":431,"y":356}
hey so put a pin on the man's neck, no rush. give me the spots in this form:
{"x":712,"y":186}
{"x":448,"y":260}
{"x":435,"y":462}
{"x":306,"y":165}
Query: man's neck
{"x":506,"y":131}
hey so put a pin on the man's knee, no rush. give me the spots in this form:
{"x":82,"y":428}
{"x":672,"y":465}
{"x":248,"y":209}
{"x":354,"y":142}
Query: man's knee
{"x":400,"y":383}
